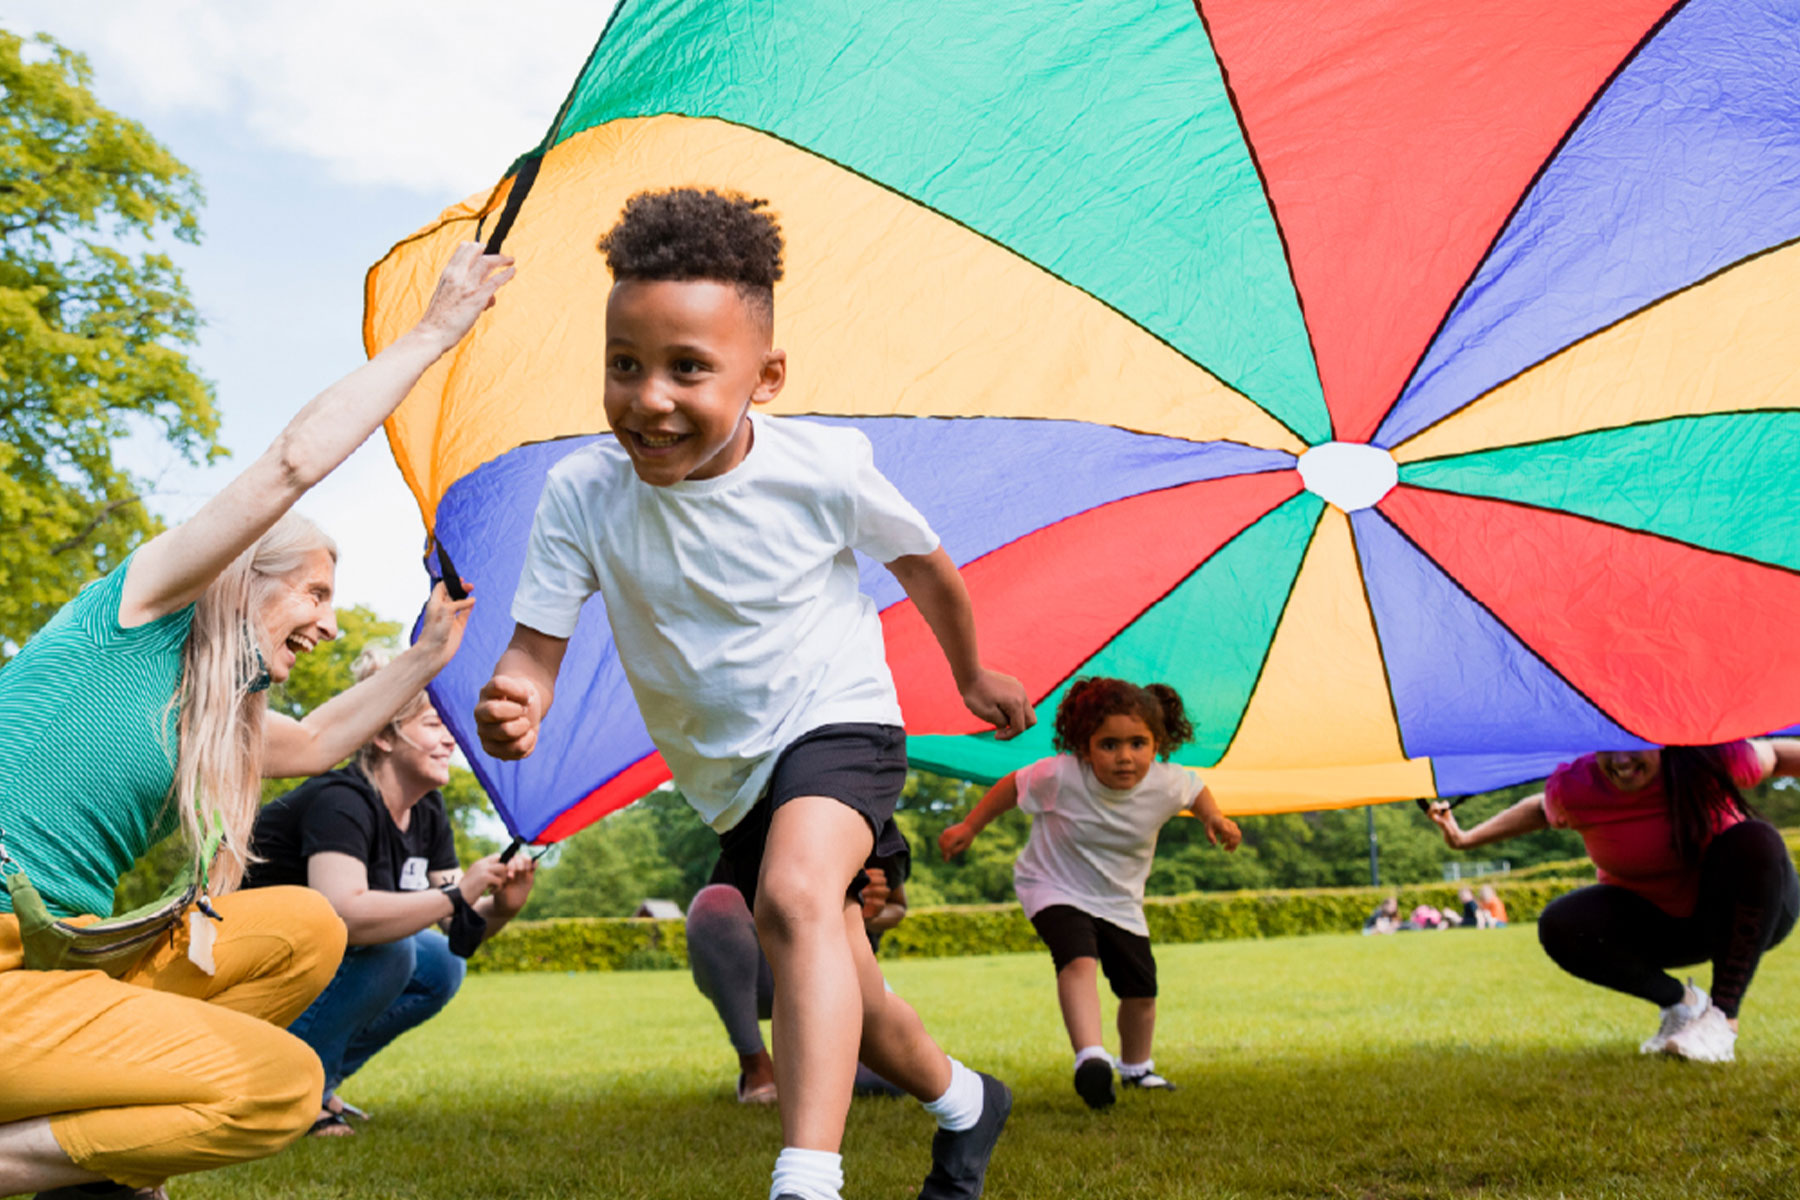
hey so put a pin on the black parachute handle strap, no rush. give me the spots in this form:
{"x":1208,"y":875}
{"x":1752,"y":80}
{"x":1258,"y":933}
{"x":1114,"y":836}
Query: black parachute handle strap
{"x":525,"y":170}
{"x":446,"y":570}
{"x":544,"y":854}
{"x":515,"y":200}
{"x":1425,"y":802}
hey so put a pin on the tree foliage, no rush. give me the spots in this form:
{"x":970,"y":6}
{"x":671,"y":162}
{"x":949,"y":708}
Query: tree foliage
{"x":89,"y":334}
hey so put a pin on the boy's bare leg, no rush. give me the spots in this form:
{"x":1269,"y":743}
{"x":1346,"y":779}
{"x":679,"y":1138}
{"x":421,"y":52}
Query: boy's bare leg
{"x":32,"y":1160}
{"x":1078,"y":992}
{"x":1137,"y":1028}
{"x":816,"y":845}
{"x":894,"y":1042}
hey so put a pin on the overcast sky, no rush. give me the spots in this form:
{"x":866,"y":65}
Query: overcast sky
{"x":323,"y":132}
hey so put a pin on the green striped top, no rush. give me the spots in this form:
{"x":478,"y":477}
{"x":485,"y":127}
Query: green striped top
{"x":87,"y":747}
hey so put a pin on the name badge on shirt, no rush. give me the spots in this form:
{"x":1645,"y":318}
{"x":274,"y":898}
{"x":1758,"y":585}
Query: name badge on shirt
{"x":413,"y":876}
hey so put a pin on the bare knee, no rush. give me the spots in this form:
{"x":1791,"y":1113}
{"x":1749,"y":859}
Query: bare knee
{"x":790,"y":906}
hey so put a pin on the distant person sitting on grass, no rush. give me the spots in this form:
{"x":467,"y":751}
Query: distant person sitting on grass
{"x":1096,"y":811}
{"x":375,"y":839}
{"x":1385,"y":918}
{"x":1491,"y":906}
{"x":1422,"y":917}
{"x":722,"y":543}
{"x":731,"y":970}
{"x":1688,"y":874}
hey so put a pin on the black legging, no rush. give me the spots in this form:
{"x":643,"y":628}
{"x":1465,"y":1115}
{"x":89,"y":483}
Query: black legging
{"x":1749,"y":897}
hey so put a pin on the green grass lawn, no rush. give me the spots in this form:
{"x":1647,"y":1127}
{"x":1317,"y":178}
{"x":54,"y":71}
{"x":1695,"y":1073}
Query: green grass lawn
{"x":1454,"y":1064}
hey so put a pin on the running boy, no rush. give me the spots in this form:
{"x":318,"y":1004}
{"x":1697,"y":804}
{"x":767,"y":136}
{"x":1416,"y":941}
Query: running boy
{"x":1096,"y":811}
{"x":721,"y":543}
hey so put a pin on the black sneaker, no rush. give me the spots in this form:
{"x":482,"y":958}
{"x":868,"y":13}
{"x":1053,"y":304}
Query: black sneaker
{"x":1148,"y":1081}
{"x":1094,"y":1083}
{"x":959,"y":1161}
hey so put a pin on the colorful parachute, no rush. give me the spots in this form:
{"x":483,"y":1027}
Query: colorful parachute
{"x":1412,"y":383}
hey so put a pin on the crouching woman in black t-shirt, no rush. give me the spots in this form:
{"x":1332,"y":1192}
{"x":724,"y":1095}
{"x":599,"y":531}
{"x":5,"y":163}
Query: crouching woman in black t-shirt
{"x":375,"y":839}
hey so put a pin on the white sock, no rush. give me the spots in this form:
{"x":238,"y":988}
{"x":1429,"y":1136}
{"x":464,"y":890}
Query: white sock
{"x":1133,"y":1070}
{"x":960,"y":1105}
{"x":808,"y":1174}
{"x":1087,"y":1052}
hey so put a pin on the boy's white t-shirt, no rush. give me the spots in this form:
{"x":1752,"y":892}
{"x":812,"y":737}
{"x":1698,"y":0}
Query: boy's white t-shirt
{"x":733,"y":601}
{"x":1091,"y":847}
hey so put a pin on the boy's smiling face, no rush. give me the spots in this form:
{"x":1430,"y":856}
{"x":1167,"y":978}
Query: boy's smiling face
{"x":685,"y":359}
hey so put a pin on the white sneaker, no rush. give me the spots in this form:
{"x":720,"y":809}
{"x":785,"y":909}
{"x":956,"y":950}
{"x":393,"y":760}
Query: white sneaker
{"x":1148,"y":1081}
{"x":1707,"y":1038}
{"x":1675,"y":1018}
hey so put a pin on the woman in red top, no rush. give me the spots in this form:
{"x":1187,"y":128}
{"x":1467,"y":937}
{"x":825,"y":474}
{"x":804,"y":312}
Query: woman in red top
{"x":1688,"y":874}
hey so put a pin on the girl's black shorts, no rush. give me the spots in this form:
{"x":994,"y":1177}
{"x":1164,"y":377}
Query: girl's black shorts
{"x":1124,"y":956}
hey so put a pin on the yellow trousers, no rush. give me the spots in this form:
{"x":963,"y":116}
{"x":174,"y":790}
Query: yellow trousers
{"x":173,"y":1070}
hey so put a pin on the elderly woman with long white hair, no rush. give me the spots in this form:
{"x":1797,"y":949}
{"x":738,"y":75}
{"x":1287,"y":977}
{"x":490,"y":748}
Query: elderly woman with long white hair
{"x":139,"y":710}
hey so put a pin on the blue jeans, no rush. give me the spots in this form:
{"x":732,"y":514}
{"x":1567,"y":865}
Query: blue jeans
{"x":378,"y":994}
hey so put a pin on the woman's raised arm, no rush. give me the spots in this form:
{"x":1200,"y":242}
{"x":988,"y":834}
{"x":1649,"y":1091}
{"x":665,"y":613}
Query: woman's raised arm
{"x":1527,"y":816}
{"x":172,"y":569}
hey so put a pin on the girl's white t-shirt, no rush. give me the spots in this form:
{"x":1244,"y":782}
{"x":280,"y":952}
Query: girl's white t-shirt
{"x":1091,"y":847}
{"x":733,"y":601}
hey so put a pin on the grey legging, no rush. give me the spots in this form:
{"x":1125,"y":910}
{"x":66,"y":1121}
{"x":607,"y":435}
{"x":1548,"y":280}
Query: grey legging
{"x":728,"y":964}
{"x":730,"y":970}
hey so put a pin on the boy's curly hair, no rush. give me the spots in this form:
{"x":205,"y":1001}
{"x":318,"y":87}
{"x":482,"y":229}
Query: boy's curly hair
{"x":1089,"y":701}
{"x":698,"y":233}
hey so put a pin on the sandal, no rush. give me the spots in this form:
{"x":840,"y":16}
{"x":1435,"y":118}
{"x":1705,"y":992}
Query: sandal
{"x":762,"y":1093}
{"x":331,"y":1124}
{"x":346,"y":1109}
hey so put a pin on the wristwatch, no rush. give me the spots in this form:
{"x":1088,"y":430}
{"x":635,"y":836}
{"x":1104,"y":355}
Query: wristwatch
{"x":458,"y":902}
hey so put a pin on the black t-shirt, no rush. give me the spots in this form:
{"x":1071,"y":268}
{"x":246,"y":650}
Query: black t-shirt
{"x":341,"y":811}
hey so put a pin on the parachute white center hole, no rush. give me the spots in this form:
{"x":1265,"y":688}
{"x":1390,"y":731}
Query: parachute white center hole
{"x":1350,"y":475}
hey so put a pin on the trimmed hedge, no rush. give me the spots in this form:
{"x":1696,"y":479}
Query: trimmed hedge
{"x":600,"y":944}
{"x":585,"y":944}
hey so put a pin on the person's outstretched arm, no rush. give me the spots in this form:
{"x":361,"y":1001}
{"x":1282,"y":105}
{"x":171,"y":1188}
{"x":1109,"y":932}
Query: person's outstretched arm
{"x":1002,"y":797}
{"x":1777,"y":756}
{"x":171,"y":570}
{"x":1221,"y":830}
{"x":332,"y":732}
{"x":936,"y":588}
{"x":513,"y":702}
{"x":1527,"y":816}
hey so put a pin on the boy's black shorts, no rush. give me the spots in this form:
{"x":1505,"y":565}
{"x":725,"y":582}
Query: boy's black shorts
{"x":859,"y":765}
{"x":1124,"y":956}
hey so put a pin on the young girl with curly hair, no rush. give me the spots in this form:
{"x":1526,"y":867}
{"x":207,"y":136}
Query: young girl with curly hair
{"x":1096,"y":809}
